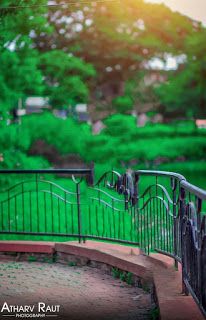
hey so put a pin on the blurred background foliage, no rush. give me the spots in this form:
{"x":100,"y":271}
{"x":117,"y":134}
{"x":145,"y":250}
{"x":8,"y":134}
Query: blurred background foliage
{"x":100,"y":53}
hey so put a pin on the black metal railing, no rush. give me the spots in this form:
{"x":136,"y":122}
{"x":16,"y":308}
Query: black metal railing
{"x":59,"y":203}
{"x":39,"y":202}
{"x":157,"y":211}
{"x":193,"y":241}
{"x":172,"y":221}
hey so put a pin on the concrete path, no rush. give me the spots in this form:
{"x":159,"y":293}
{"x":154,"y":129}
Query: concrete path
{"x":81,"y":292}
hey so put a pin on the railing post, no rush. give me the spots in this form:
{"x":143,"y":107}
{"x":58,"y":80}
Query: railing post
{"x":199,"y":245}
{"x":137,"y":210}
{"x":90,"y":176}
{"x":175,"y":235}
{"x":79,"y":211}
{"x":182,"y":214}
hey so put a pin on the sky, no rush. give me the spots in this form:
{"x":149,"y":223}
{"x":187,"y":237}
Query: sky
{"x":195,"y":9}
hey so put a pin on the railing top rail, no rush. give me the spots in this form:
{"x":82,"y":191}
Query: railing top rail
{"x":200,"y":193}
{"x":161,"y":173}
{"x":105,"y":174}
{"x":49,"y":171}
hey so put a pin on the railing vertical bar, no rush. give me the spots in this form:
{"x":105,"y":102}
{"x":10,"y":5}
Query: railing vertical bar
{"x":9,"y":218}
{"x":161,"y":227}
{"x":72,"y":216}
{"x":131,"y":225}
{"x":65,"y":212}
{"x":144,"y":227}
{"x":110,"y":223}
{"x":103,"y":222}
{"x":30,"y":210}
{"x":79,"y":212}
{"x":124,"y":234}
{"x":45,"y":212}
{"x":174,"y":200}
{"x":150,"y":240}
{"x":148,"y":230}
{"x":90,"y":221}
{"x":96,"y":219}
{"x":119,"y":225}
{"x":15,"y":216}
{"x":156,"y":242}
{"x":59,"y":217}
{"x":113,"y":219}
{"x":134,"y":224}
{"x":52,"y":208}
{"x":167,"y":227}
{"x":23,"y":217}
{"x":144,"y":219}
{"x":37,"y":201}
{"x":157,"y":223}
{"x":2,"y":216}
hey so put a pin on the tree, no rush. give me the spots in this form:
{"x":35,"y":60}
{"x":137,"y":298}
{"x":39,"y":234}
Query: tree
{"x":66,"y":78}
{"x":25,"y":70}
{"x":123,"y":104}
{"x":116,"y":39}
{"x":19,"y":72}
{"x":185,"y":93}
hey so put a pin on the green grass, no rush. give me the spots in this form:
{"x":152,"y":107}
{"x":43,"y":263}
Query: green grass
{"x":178,"y":147}
{"x":46,"y":213}
{"x":47,"y":208}
{"x":122,"y":275}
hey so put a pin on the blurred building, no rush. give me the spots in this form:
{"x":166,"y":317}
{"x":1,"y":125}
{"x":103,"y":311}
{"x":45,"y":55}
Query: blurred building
{"x":97,"y":127}
{"x":36,"y":104}
{"x":60,"y":113}
{"x":81,"y":112}
{"x":201,"y":123}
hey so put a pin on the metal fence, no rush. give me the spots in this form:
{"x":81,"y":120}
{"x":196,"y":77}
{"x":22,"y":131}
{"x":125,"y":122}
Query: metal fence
{"x":157,"y":211}
{"x":172,"y":221}
{"x":59,"y":203}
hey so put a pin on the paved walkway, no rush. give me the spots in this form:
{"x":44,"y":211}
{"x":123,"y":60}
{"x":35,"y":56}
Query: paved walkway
{"x":82,"y":292}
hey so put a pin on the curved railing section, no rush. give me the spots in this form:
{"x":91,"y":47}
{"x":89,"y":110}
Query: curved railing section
{"x":172,"y":221}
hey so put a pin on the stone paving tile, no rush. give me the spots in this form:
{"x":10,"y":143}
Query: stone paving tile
{"x":82,"y":292}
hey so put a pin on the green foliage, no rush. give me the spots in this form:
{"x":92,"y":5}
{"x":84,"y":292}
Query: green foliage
{"x":32,"y":258}
{"x":72,"y":264}
{"x":44,"y":53}
{"x":19,"y":73}
{"x":120,"y":36}
{"x":122,"y":275}
{"x":16,"y":159}
{"x":120,"y":143}
{"x":14,"y":137}
{"x":115,"y":273}
{"x":15,"y":141}
{"x":184,"y":93}
{"x":154,"y":313}
{"x":67,"y":136}
{"x":123,"y":103}
{"x":65,"y":78}
{"x":48,"y":260}
{"x":19,"y":76}
{"x":26,"y":71}
{"x":129,"y":278}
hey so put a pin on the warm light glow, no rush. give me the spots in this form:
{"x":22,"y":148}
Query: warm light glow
{"x":195,"y":9}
